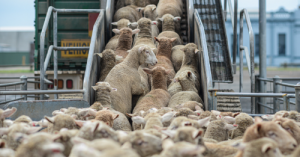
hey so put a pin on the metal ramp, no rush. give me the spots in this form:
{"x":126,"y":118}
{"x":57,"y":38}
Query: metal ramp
{"x":211,"y":14}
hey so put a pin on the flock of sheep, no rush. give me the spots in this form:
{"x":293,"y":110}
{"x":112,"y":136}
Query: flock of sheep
{"x":147,"y":103}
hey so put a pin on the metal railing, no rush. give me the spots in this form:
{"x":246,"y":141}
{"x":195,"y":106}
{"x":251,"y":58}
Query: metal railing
{"x":23,"y":87}
{"x":250,"y":61}
{"x":204,"y":66}
{"x":92,"y":71}
{"x":54,"y":46}
{"x":276,"y":81}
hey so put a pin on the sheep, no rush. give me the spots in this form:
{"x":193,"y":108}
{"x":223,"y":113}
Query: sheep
{"x":193,"y":105}
{"x":173,"y":7}
{"x":98,"y":144}
{"x":263,"y":147}
{"x":182,"y":149}
{"x":126,"y":79}
{"x":153,"y":120}
{"x":61,"y":121}
{"x":7,"y":152}
{"x":38,"y":145}
{"x":231,"y":114}
{"x":144,"y":37}
{"x":97,"y":106}
{"x":108,"y":61}
{"x":122,"y":3}
{"x":170,"y":23}
{"x":24,"y":119}
{"x":189,"y":65}
{"x":243,"y":121}
{"x":290,"y":126}
{"x":64,"y":137}
{"x":183,"y":121}
{"x":177,"y":57}
{"x":103,"y":97}
{"x":113,"y":41}
{"x":218,"y":130}
{"x":13,"y":130}
{"x":124,"y":41}
{"x":144,"y":144}
{"x":5,"y":114}
{"x":271,"y":130}
{"x":158,"y":96}
{"x":164,"y":55}
{"x":292,"y":115}
{"x":131,"y":13}
{"x":171,"y":34}
{"x":187,"y":134}
{"x":150,"y":12}
{"x":120,"y":153}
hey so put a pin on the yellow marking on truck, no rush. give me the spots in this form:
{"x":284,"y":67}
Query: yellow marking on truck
{"x":75,"y":43}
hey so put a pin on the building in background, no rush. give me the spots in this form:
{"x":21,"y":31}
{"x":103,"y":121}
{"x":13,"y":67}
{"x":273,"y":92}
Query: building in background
{"x":15,"y":46}
{"x":283,"y":36}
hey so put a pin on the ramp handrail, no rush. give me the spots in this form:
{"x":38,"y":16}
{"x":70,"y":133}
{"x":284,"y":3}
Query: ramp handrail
{"x":92,"y":71}
{"x":242,"y":47}
{"x":42,"y":43}
{"x":206,"y":76}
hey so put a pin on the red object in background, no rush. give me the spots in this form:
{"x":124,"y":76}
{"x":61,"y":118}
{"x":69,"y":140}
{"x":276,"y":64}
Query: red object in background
{"x":92,"y":20}
{"x":51,"y":86}
{"x":69,"y":84}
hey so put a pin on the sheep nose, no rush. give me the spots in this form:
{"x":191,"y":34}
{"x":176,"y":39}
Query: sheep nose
{"x":294,"y":145}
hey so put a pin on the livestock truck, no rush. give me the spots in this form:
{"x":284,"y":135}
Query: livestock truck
{"x":69,"y":34}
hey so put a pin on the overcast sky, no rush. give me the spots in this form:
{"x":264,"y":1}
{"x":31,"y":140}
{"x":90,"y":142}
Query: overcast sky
{"x":20,"y":13}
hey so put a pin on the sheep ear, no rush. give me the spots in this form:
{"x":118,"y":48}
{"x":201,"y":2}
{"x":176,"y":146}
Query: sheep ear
{"x":118,"y":58}
{"x":34,"y":130}
{"x":9,"y":112}
{"x":286,"y":114}
{"x":197,"y":133}
{"x":116,"y":31}
{"x":169,"y":133}
{"x":168,"y":116}
{"x":154,"y":22}
{"x":193,"y":117}
{"x":96,"y":127}
{"x":257,"y":128}
{"x":154,"y":8}
{"x":230,"y":126}
{"x":177,"y":18}
{"x":2,"y":144}
{"x":4,"y":131}
{"x":156,"y":39}
{"x":57,"y":112}
{"x":114,"y":23}
{"x":236,"y":114}
{"x":258,"y":119}
{"x":135,"y":31}
{"x":196,"y":50}
{"x":50,"y":119}
{"x":95,"y":87}
{"x":189,"y":74}
{"x":173,"y":39}
{"x":100,"y":55}
{"x":140,"y":9}
{"x":239,"y":145}
{"x":266,"y":147}
{"x":115,"y":116}
{"x":43,"y":123}
{"x":138,"y":120}
{"x":129,"y":115}
{"x":160,"y":19}
{"x":133,"y":24}
{"x":141,"y":49}
{"x":148,"y":71}
{"x":204,"y":122}
{"x":80,"y":123}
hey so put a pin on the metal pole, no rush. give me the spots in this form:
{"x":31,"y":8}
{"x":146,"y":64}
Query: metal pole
{"x":257,"y":108}
{"x":241,"y":63}
{"x":297,"y":94}
{"x":24,"y":86}
{"x":276,"y":106}
{"x":55,"y":51}
{"x":235,"y":36}
{"x":262,"y":46}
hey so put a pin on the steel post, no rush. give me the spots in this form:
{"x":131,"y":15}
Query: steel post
{"x":24,"y":86}
{"x":286,"y":102}
{"x":276,"y":105}
{"x":214,"y":99}
{"x":257,"y":107}
{"x":55,"y":51}
{"x":241,"y":64}
{"x":297,"y":95}
{"x":235,"y":36}
{"x":262,"y":46}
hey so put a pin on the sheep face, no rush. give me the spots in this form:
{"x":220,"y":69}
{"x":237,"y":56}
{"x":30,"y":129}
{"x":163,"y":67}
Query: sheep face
{"x":168,"y":22}
{"x":271,"y":130}
{"x":147,"y":55}
{"x":62,"y":121}
{"x":106,"y":116}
